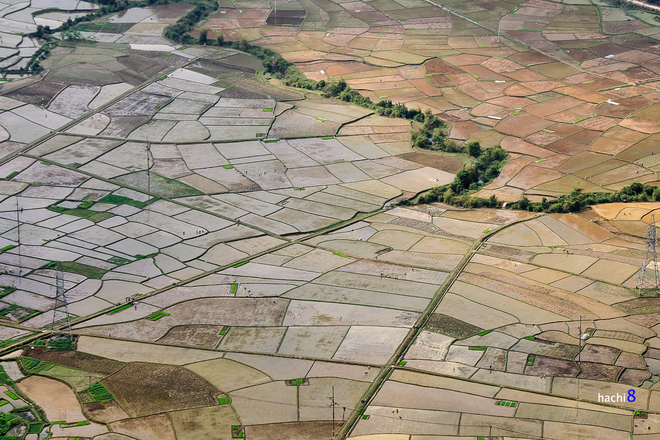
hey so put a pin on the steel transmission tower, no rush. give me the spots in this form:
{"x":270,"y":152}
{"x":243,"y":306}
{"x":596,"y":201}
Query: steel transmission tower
{"x":649,"y":280}
{"x":60,"y":313}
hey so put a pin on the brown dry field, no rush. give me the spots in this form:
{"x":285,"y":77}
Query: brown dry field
{"x":76,"y":359}
{"x":451,"y":164}
{"x":321,"y":430}
{"x":196,"y":335}
{"x":144,"y":389}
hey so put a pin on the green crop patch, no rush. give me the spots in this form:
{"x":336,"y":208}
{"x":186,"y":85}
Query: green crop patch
{"x":7,"y":342}
{"x":270,"y":140}
{"x":297,"y":382}
{"x":35,"y":428}
{"x":118,"y":260}
{"x":325,"y":138}
{"x":73,"y":425}
{"x":34,"y":366}
{"x":82,"y":210}
{"x":11,"y":395}
{"x":223,"y":400}
{"x":341,"y":255}
{"x":237,"y":431}
{"x":18,"y":313}
{"x":402,"y":363}
{"x":228,"y":167}
{"x":506,"y":403}
{"x":99,"y":393}
{"x":156,"y":316}
{"x":234,"y":288}
{"x":482,"y":348}
{"x":86,"y":270}
{"x":240,"y":264}
{"x":12,"y":175}
{"x":530,"y":360}
{"x":6,"y":248}
{"x":484,"y":333}
{"x":4,"y":402}
{"x":114,"y":199}
{"x":144,"y":257}
{"x":268,"y":109}
{"x":119,"y":309}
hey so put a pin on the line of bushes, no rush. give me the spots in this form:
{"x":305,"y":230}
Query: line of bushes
{"x":575,"y":201}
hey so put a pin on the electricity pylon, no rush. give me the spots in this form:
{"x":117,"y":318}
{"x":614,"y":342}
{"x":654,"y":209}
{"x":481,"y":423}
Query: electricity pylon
{"x":60,"y":314}
{"x":649,"y":280}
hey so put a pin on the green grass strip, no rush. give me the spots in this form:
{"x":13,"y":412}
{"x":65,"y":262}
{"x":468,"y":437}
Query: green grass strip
{"x":579,"y":120}
{"x":548,"y":131}
{"x":484,"y":333}
{"x":341,"y":255}
{"x":83,"y":423}
{"x":482,"y":348}
{"x":6,"y":248}
{"x":228,"y":167}
{"x":270,"y":140}
{"x":119,"y":309}
{"x":11,"y":395}
{"x":234,"y":287}
{"x":327,"y":137}
{"x":268,"y":109}
{"x":12,"y":175}
{"x":588,"y":82}
{"x":3,"y":403}
{"x":241,"y":264}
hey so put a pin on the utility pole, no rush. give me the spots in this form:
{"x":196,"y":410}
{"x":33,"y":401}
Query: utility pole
{"x":18,"y":232}
{"x":148,"y":179}
{"x":333,"y":404}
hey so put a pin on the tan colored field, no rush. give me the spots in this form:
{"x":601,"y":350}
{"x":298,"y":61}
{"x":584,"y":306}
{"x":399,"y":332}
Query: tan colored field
{"x":56,"y":399}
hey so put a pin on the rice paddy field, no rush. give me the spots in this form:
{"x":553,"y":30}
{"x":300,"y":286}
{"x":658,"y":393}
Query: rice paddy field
{"x":235,"y":260}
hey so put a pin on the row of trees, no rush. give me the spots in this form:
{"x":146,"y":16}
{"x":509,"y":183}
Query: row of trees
{"x":179,"y":32}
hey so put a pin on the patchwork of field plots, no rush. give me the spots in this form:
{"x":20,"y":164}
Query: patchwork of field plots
{"x":578,"y":110}
{"x":18,"y":20}
{"x":231,"y":250}
{"x":546,"y":305}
